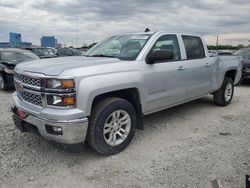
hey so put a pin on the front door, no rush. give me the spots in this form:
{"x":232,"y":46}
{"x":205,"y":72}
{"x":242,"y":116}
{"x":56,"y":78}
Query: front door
{"x":164,"y":80}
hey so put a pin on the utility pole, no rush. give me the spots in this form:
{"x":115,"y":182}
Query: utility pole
{"x":217,"y":41}
{"x":76,"y":33}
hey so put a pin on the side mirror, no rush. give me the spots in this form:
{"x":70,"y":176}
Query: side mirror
{"x":159,"y":55}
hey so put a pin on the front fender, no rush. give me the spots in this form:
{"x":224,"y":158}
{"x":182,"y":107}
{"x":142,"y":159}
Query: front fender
{"x":90,"y":87}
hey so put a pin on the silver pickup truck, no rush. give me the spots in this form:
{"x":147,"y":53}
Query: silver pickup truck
{"x":101,"y":97}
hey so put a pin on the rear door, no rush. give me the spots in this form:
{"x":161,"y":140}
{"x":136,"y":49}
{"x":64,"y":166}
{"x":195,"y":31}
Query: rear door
{"x":198,"y":67}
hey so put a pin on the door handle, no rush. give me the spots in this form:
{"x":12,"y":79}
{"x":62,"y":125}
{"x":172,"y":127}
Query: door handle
{"x":207,"y":64}
{"x":181,"y":68}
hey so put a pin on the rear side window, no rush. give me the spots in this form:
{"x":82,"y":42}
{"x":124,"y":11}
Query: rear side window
{"x":194,"y":47}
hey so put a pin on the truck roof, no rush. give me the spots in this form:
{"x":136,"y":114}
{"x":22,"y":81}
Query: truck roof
{"x":158,"y":32}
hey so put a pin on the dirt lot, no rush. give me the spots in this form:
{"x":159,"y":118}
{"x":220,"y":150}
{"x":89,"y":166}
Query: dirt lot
{"x":186,"y":146}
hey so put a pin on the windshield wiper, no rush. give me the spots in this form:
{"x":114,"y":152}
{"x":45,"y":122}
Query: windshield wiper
{"x":101,"y":55}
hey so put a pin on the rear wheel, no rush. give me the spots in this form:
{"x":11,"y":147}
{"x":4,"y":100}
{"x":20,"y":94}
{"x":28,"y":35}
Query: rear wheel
{"x":112,"y":126}
{"x":3,"y":84}
{"x":224,"y":95}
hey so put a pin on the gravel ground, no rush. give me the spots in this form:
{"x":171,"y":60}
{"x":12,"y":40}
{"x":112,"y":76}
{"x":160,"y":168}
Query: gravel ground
{"x":186,"y":146}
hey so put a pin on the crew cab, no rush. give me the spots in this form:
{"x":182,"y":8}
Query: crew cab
{"x":101,"y":97}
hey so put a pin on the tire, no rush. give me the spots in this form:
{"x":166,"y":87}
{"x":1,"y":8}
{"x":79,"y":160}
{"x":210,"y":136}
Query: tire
{"x":224,"y":95}
{"x":3,"y":84}
{"x":107,"y":117}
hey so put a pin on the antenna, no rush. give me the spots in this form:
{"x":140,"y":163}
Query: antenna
{"x":147,"y":30}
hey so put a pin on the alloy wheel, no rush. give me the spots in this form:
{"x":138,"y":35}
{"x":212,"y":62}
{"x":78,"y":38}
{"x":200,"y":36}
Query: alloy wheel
{"x":228,"y":91}
{"x":117,"y":127}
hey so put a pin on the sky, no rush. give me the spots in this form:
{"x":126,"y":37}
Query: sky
{"x":78,"y":22}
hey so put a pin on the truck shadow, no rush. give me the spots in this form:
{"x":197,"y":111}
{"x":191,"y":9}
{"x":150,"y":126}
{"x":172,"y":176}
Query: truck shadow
{"x":182,"y":110}
{"x":245,"y":83}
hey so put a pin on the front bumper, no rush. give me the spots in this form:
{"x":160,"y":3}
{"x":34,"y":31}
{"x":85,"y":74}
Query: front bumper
{"x":74,"y":131}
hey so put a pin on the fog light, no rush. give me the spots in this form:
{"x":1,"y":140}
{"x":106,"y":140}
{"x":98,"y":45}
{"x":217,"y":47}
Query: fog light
{"x":54,"y":130}
{"x":57,"y":129}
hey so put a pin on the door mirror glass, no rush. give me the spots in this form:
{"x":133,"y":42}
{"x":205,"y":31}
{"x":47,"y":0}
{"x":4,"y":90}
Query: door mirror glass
{"x":159,"y":55}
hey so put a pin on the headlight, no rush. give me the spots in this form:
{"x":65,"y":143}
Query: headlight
{"x":8,"y":70}
{"x":60,"y":84}
{"x":62,"y":101}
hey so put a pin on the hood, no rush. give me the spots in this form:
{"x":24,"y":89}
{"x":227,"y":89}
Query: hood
{"x":55,"y":66}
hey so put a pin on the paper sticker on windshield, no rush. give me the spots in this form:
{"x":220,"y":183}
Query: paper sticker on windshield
{"x":140,"y":37}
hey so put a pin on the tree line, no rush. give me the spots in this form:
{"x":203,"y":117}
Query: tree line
{"x":226,"y":47}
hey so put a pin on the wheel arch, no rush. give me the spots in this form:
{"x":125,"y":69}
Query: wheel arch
{"x":231,"y":74}
{"x":132,"y":95}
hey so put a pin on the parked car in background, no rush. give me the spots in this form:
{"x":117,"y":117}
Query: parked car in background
{"x":214,"y":53}
{"x":62,"y":52}
{"x":9,"y":58}
{"x":245,"y":53}
{"x":42,"y":52}
{"x":224,"y":53}
{"x":101,"y":97}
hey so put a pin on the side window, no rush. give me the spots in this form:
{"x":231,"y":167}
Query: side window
{"x":194,"y":47}
{"x":168,"y":43}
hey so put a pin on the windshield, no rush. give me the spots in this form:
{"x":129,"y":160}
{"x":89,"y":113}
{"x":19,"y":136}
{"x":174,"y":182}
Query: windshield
{"x":44,"y":52}
{"x":123,"y":47}
{"x":18,"y":56}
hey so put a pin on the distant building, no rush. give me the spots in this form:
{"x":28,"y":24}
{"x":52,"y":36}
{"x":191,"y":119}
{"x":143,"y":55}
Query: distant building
{"x":49,"y":41}
{"x":15,"y":41}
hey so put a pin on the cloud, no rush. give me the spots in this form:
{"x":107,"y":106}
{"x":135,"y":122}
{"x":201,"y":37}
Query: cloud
{"x":93,"y":20}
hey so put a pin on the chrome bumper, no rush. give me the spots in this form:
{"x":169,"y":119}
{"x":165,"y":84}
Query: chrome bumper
{"x":74,"y":131}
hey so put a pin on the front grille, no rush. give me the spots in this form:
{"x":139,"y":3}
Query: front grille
{"x":31,"y":97}
{"x":28,"y":80}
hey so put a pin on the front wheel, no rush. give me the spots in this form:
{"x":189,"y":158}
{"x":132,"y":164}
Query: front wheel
{"x":112,"y":126}
{"x":224,"y":95}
